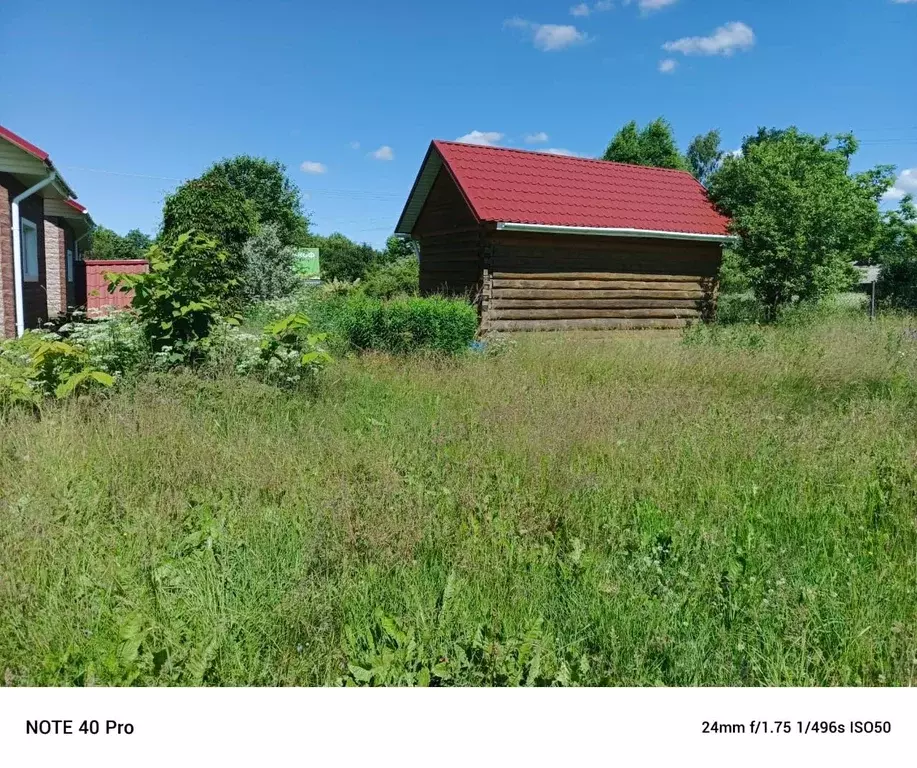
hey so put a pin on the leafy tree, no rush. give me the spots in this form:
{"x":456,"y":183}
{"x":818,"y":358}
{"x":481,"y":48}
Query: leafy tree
{"x":109,"y":245}
{"x":801,"y":217}
{"x":212,"y":207}
{"x":896,"y":252}
{"x":191,"y":284}
{"x":704,"y":155}
{"x":274,"y":197}
{"x":343,"y":259}
{"x":139,"y":241}
{"x":269,"y":272}
{"x":653,"y":146}
{"x":397,"y":247}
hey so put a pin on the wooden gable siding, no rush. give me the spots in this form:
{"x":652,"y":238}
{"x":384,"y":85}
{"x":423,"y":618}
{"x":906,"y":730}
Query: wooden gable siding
{"x":556,"y":282}
{"x":450,"y":241}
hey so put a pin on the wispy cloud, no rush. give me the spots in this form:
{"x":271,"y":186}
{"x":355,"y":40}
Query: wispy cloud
{"x":906,"y":184}
{"x":904,"y":2}
{"x":725,"y":40}
{"x":549,"y":37}
{"x":536,"y":138}
{"x":383,"y":153}
{"x":559,"y":151}
{"x":584,"y":9}
{"x":354,"y":144}
{"x":484,"y":138}
{"x":667,"y":66}
{"x":310,"y":166}
{"x":648,"y":6}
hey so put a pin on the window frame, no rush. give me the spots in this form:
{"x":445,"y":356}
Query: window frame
{"x":27,"y":276}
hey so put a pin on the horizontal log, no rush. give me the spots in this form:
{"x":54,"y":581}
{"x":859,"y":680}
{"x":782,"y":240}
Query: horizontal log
{"x":572,"y":285}
{"x":610,"y":276}
{"x":561,"y":313}
{"x":519,"y":293}
{"x":595,"y":303}
{"x":595,"y":324}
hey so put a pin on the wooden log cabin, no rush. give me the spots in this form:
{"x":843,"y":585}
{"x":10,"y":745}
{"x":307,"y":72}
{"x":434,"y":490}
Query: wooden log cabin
{"x":549,"y":242}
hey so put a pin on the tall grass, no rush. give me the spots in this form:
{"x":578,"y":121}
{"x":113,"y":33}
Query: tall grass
{"x":600,"y":509}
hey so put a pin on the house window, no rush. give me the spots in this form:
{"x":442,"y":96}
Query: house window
{"x":69,"y":265}
{"x":29,"y":251}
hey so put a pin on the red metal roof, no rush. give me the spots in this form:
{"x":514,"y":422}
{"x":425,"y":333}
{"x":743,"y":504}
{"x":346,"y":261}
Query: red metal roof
{"x":76,"y":206}
{"x":512,"y":185}
{"x":26,"y":146}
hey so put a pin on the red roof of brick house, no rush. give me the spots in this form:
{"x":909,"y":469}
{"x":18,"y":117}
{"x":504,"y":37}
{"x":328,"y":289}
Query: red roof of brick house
{"x":512,"y":186}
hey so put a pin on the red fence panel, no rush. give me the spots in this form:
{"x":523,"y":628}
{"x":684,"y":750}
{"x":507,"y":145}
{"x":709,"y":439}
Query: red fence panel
{"x":98,"y":300}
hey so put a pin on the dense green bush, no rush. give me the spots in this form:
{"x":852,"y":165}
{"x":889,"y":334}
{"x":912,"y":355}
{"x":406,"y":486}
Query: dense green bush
{"x":212,"y":207}
{"x":190,"y":286}
{"x":400,"y":278}
{"x":40,"y":365}
{"x":405,"y":325}
{"x":114,"y":343}
{"x":285,"y":354}
{"x":269,"y":270}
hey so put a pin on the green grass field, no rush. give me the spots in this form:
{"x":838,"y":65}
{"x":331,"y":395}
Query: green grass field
{"x":620,"y":509}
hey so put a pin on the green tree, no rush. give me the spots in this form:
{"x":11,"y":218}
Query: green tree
{"x":896,"y":253}
{"x":274,"y":197}
{"x":653,"y":146}
{"x":397,"y":247}
{"x":343,"y":259}
{"x":212,"y":207}
{"x":704,"y":155}
{"x":801,"y":217}
{"x":106,"y":244}
{"x":139,"y":241}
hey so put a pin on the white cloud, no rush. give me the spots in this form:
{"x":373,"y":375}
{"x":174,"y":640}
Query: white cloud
{"x":484,"y":138}
{"x":310,"y":166}
{"x":725,"y":40}
{"x":549,"y":37}
{"x":584,"y":9}
{"x":902,"y":2}
{"x":383,"y":153}
{"x":667,"y":66}
{"x":906,"y":183}
{"x":354,"y":144}
{"x":536,"y":138}
{"x":649,"y":6}
{"x":558,"y":151}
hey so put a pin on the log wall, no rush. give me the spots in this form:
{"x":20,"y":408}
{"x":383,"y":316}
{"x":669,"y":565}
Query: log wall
{"x":450,"y":240}
{"x":555,"y":282}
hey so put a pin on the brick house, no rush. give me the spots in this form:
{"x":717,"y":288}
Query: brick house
{"x":41,"y":229}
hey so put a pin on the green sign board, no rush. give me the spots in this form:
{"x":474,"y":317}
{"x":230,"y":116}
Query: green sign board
{"x":306,"y":262}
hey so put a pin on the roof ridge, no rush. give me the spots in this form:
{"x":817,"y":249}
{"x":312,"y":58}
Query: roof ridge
{"x":567,"y":157}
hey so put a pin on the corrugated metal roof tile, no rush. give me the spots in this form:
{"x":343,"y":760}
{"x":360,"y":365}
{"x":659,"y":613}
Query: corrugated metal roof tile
{"x":518,"y":186}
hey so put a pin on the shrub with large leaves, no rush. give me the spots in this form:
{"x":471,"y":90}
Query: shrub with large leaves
{"x":188,"y":289}
{"x":41,"y":365}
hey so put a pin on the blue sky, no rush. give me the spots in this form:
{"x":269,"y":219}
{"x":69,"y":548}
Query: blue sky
{"x":349,"y":94}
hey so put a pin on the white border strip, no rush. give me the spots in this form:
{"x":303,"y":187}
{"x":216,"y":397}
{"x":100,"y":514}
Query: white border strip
{"x":615,"y":232}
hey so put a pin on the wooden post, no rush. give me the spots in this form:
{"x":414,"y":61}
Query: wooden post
{"x":872,"y":300}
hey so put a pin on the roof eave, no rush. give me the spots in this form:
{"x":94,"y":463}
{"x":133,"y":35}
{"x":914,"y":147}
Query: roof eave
{"x":509,"y":226}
